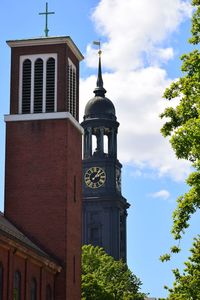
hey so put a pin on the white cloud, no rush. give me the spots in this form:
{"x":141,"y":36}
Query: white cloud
{"x":135,"y":28}
{"x":132,"y":28}
{"x":157,"y":55}
{"x":138,"y":102}
{"x":162,"y":194}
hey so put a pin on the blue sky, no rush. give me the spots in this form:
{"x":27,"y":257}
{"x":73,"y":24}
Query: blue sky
{"x":142,"y":42}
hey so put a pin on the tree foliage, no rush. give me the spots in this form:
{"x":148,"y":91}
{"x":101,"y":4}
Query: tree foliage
{"x":104,"y":278}
{"x":183,"y":128}
{"x":187,"y":285}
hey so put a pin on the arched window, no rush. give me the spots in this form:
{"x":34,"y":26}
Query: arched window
{"x":26,"y":87}
{"x":48,"y":293}
{"x":94,"y":143}
{"x":38,"y":86}
{"x":17,"y":286}
{"x":105,"y":144}
{"x":1,"y":281}
{"x":50,"y":85}
{"x":33,"y":289}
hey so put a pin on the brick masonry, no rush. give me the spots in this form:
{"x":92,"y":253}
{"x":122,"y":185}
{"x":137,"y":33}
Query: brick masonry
{"x":63,"y":52}
{"x":43,"y":160}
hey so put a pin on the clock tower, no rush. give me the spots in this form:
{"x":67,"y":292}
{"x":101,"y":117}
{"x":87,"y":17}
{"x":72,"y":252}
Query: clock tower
{"x":104,"y":207}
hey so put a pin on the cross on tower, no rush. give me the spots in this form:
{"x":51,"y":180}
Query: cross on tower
{"x":46,"y":13}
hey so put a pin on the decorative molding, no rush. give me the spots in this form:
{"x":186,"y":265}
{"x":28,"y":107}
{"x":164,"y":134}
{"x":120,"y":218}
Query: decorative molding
{"x":47,"y":41}
{"x":27,"y":252}
{"x":44,"y":116}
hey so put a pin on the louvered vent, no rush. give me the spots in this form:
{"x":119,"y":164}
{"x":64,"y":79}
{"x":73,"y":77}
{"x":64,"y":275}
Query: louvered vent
{"x":70,"y":89}
{"x":74,"y":94}
{"x":38,"y":86}
{"x":38,"y":83}
{"x":26,"y":87}
{"x":50,"y":85}
{"x":71,"y":103}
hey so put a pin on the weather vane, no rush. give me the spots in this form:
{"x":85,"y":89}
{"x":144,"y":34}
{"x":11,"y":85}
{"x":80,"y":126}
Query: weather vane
{"x":98,"y":43}
{"x":46,"y":13}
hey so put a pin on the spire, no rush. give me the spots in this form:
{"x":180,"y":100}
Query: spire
{"x":99,"y":90}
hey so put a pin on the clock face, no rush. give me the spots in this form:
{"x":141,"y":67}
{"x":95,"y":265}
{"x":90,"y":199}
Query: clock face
{"x":95,"y":177}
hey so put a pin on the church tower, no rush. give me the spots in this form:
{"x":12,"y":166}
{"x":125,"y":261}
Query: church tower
{"x":104,"y":207}
{"x":44,"y":153}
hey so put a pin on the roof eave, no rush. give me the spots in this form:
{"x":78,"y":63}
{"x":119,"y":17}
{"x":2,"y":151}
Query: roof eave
{"x":47,"y":41}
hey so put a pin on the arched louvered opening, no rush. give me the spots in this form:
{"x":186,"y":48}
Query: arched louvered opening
{"x":48,"y":293}
{"x":26,"y":87}
{"x":50,"y":85}
{"x":38,"y":86}
{"x":1,"y":281}
{"x":74,"y":93}
{"x":72,"y":90}
{"x":33,"y":289}
{"x":17,"y":286}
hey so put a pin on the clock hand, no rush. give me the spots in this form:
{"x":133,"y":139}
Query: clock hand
{"x":98,"y":174}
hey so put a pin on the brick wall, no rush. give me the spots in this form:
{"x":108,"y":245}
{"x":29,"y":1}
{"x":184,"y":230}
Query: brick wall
{"x":13,"y":260}
{"x":43,"y":158}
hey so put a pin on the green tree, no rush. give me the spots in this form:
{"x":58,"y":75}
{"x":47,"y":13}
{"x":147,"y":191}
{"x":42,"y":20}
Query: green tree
{"x":187,"y":285}
{"x":183,"y":128}
{"x":104,"y":278}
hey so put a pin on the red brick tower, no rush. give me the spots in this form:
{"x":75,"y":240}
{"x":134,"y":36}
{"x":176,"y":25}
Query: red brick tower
{"x":43,"y":153}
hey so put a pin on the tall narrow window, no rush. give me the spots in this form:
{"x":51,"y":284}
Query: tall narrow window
{"x":72,"y":89}
{"x":1,"y":281}
{"x":105,"y":144}
{"x":26,"y":87}
{"x":33,"y":289}
{"x":50,"y":85}
{"x":74,"y":269}
{"x":17,"y":286}
{"x":74,"y":188}
{"x":95,"y":236}
{"x":94,"y":143}
{"x":48,"y":292}
{"x":38,"y":86}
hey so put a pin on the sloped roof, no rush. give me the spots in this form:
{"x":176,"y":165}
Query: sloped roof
{"x":9,"y":230}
